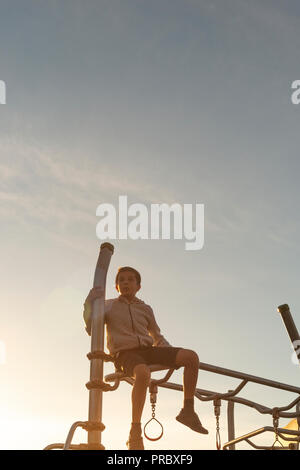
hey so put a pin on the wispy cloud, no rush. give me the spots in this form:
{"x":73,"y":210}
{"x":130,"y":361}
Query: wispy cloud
{"x":43,"y":185}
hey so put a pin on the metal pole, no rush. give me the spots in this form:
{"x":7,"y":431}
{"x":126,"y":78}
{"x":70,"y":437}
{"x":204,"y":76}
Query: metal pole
{"x":291,"y":328}
{"x":97,"y":342}
{"x":250,"y":378}
{"x":230,"y":422}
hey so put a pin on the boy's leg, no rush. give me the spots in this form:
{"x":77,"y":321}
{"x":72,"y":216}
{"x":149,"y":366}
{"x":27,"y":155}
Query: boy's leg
{"x":190,"y":361}
{"x":134,"y":365}
{"x":175,"y":358}
{"x":141,"y":374}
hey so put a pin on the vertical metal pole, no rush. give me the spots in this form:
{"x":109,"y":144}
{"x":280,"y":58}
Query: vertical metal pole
{"x":230,"y":422}
{"x":97,"y":341}
{"x":287,"y":318}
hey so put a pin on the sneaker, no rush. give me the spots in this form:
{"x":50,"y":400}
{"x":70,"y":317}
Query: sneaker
{"x":135,"y":443}
{"x":191,"y":419}
{"x":135,"y":440}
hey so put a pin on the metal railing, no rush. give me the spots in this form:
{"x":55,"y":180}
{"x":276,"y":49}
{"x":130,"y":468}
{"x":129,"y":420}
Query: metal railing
{"x":231,"y":397}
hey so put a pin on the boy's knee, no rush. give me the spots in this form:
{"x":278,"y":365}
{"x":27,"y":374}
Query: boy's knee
{"x":194,"y":358}
{"x":187,"y":357}
{"x":142,"y":373}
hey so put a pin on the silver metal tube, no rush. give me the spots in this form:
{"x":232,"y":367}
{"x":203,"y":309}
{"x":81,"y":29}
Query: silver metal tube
{"x":97,"y":341}
{"x":71,"y":434}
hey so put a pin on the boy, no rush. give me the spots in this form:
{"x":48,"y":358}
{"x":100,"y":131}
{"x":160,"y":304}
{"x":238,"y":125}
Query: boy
{"x":135,"y":341}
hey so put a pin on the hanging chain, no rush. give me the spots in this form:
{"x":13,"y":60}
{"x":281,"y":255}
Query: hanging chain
{"x":217,"y":409}
{"x":275,"y":425}
{"x":153,"y":393}
{"x":218,"y":436}
{"x":153,"y":410}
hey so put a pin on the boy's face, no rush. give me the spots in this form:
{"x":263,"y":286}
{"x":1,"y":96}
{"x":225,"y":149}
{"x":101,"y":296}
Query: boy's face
{"x":127,"y":284}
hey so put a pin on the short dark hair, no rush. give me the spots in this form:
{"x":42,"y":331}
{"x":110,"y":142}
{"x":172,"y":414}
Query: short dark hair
{"x":128,"y":268}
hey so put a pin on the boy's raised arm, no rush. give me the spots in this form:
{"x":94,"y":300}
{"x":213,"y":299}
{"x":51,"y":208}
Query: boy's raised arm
{"x":88,"y":304}
{"x":87,"y":316}
{"x":154,"y":331}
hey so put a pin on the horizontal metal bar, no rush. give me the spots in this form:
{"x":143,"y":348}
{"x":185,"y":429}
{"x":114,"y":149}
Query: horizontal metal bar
{"x":54,"y":446}
{"x":261,"y":408}
{"x":248,"y":377}
{"x":243,"y":401}
{"x":222,"y":396}
{"x":246,"y":437}
{"x":235,"y":374}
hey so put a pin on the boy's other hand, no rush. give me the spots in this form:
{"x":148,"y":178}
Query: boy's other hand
{"x":94,"y":293}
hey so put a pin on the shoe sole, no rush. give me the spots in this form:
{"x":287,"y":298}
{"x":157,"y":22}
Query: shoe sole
{"x":200,"y":430}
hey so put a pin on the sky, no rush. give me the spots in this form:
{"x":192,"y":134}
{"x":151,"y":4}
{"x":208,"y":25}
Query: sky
{"x":181,"y":101}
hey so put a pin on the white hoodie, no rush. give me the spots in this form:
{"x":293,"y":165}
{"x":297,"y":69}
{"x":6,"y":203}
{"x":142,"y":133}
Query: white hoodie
{"x":129,"y":324}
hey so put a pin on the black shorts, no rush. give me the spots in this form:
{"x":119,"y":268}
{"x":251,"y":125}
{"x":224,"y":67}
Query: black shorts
{"x":129,"y":358}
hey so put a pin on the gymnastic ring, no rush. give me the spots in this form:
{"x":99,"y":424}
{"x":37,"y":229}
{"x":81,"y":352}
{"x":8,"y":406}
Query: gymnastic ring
{"x":153,"y":438}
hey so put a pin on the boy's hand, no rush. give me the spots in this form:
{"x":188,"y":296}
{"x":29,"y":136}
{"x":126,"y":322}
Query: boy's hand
{"x":94,"y":293}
